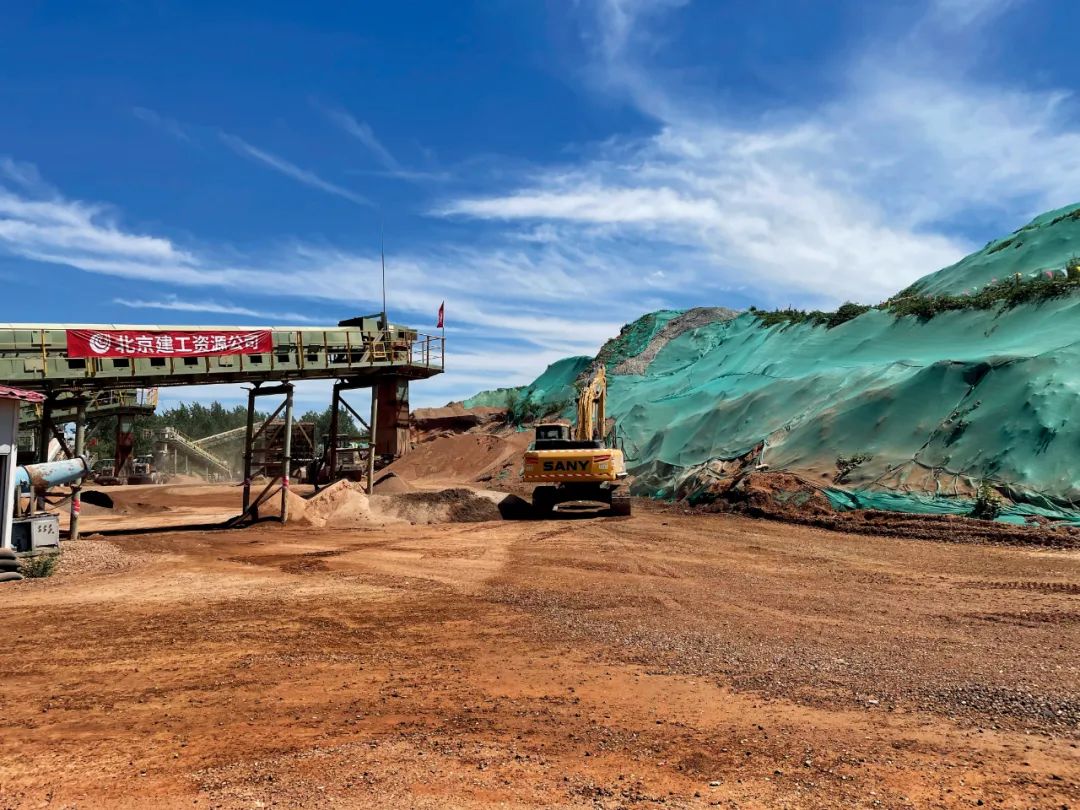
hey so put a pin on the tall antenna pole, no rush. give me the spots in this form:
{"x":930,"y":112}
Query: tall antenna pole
{"x":382,"y":256}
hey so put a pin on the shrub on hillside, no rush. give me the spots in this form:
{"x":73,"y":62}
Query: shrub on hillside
{"x":1011,"y":292}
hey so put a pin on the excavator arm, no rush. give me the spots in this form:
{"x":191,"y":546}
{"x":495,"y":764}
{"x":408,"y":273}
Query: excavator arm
{"x":592,"y":408}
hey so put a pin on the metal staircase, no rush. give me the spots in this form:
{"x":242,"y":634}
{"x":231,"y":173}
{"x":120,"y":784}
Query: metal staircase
{"x":169,"y":441}
{"x":218,"y":439}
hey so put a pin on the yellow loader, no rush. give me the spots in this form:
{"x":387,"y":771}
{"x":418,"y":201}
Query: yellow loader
{"x":581,"y":470}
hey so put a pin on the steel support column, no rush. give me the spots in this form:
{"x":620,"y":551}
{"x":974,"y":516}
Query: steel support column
{"x":251,"y":507}
{"x":371,"y":441}
{"x":80,"y":449}
{"x":45,"y":430}
{"x":286,"y":461}
{"x":335,"y":406}
{"x":248,"y":440}
{"x":338,"y":402}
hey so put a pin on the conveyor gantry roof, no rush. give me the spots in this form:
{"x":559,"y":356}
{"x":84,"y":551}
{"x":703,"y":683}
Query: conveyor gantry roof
{"x":35,"y":356}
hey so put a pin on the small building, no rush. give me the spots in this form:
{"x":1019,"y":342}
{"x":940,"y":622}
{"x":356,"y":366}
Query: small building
{"x":11,"y":399}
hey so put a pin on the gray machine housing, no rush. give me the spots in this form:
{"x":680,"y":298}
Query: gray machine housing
{"x":36,"y":534}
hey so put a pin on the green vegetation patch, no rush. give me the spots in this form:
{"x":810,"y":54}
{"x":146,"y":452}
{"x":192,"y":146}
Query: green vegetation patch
{"x":1003,"y":295}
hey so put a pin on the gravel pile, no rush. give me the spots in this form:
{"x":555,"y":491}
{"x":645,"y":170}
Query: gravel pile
{"x":92,"y":556}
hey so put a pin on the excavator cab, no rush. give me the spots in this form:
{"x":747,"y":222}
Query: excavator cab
{"x":557,"y":436}
{"x":551,"y":436}
{"x":553,"y":432}
{"x":578,"y":467}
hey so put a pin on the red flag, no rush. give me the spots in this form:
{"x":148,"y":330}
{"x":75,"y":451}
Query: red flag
{"x":442,"y":309}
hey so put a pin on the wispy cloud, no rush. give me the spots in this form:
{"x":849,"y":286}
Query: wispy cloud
{"x":24,"y":175}
{"x":53,"y":229}
{"x":854,"y":199}
{"x":962,"y":13}
{"x":363,"y":133}
{"x":167,"y":125}
{"x":279,"y":164}
{"x":850,"y":199}
{"x":496,"y":296}
{"x":174,"y":304}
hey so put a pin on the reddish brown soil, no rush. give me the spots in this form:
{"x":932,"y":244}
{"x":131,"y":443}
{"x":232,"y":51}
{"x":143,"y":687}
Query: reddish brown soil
{"x":464,"y":457}
{"x":661,"y":660}
{"x":788,"y":497}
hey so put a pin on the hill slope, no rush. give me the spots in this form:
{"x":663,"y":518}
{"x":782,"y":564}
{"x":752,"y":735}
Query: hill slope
{"x":932,"y":405}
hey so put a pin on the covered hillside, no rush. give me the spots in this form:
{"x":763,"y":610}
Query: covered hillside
{"x":1045,"y":243}
{"x":968,"y":390}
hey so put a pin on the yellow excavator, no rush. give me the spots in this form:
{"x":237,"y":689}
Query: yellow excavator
{"x":581,"y":471}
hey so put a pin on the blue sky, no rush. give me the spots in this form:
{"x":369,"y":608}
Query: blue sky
{"x":552,"y":170}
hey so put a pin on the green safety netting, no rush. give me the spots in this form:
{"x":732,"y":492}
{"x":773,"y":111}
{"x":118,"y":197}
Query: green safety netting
{"x":932,"y":407}
{"x":1044,"y":244}
{"x":635,"y":337}
{"x":554,"y":387}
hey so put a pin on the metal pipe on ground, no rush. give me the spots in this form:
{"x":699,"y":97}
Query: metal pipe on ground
{"x":36,"y":477}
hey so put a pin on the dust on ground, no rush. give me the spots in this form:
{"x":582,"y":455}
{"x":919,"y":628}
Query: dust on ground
{"x":664,"y":659}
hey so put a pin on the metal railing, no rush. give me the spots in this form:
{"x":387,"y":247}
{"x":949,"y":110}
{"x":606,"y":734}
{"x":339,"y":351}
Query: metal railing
{"x":224,"y":437}
{"x":98,"y":403}
{"x":30,"y":357}
{"x":171,"y":437}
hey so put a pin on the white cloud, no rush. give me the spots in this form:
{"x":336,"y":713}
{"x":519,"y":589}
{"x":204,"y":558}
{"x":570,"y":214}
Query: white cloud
{"x":962,"y":13}
{"x":748,"y":209}
{"x":363,"y":133}
{"x":23,"y":174}
{"x":510,"y":311}
{"x":165,"y":124}
{"x":173,"y":304}
{"x":279,"y":164}
{"x":53,"y":229}
{"x":853,"y":199}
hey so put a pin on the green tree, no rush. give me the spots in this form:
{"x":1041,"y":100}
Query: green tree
{"x":346,"y":424}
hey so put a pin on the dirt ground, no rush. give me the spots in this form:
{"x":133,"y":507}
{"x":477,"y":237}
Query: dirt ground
{"x":660,"y":660}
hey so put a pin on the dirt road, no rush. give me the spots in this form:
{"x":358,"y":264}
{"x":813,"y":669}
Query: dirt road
{"x":661,"y":660}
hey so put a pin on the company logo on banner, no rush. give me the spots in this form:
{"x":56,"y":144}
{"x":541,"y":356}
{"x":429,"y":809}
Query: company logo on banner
{"x":132,"y":343}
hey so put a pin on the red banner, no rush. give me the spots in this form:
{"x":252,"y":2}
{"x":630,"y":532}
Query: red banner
{"x":133,"y":343}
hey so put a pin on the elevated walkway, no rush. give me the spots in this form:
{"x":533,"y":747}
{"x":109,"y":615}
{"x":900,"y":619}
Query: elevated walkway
{"x":35,"y":356}
{"x":76,"y":361}
{"x":99,"y":405}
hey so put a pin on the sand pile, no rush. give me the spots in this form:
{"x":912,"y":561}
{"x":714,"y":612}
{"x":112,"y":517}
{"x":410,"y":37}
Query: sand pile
{"x":430,"y":423}
{"x":344,"y":505}
{"x":391,"y":484}
{"x":181,"y":478}
{"x":341,"y":505}
{"x":458,"y":505}
{"x":462,"y":457}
